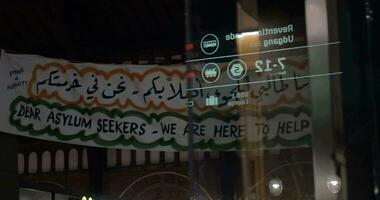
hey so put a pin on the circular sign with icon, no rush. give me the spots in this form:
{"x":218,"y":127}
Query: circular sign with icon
{"x":210,"y":72}
{"x":209,"y":44}
{"x":237,"y":69}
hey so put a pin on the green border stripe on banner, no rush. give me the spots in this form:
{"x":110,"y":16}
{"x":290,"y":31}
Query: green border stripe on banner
{"x":132,"y":141}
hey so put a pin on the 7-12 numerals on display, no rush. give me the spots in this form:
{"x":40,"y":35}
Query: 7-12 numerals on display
{"x":268,"y":65}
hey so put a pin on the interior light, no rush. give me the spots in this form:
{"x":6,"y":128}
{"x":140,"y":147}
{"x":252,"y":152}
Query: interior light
{"x":275,"y":187}
{"x":334,"y":184}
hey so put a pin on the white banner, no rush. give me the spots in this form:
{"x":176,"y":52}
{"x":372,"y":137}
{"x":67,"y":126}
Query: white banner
{"x":145,"y":106}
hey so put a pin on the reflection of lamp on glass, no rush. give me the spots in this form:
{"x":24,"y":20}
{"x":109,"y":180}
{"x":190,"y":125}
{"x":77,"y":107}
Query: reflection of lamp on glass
{"x":334,"y":184}
{"x":248,"y":34}
{"x":275,"y":187}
